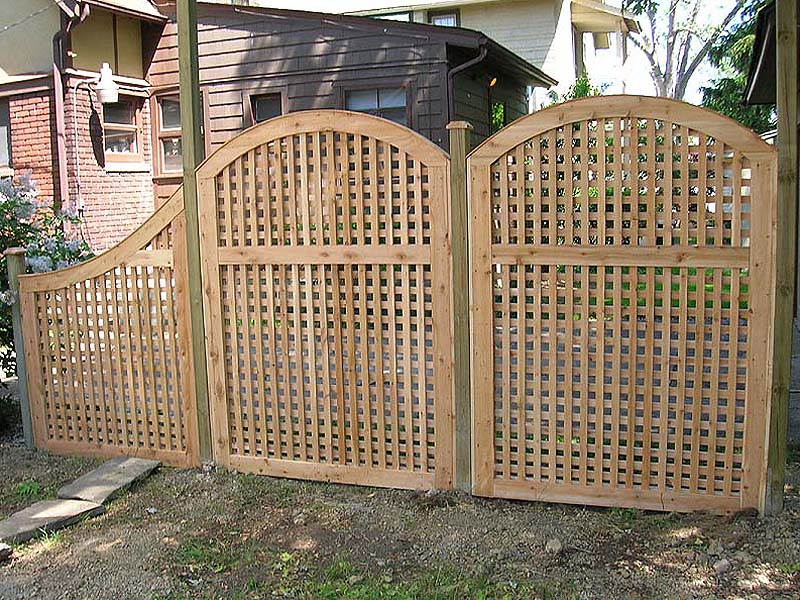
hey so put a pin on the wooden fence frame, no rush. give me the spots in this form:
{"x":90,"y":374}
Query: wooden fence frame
{"x":762,"y":255}
{"x":412,"y":144}
{"x":758,"y":444}
{"x":128,"y":253}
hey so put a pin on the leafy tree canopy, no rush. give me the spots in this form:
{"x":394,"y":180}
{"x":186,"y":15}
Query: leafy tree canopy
{"x":676,"y":37}
{"x":731,"y":56}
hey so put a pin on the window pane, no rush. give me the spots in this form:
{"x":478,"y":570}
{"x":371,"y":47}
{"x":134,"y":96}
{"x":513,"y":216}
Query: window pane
{"x":5,"y":134}
{"x":362,"y":100}
{"x":398,"y":115}
{"x":121,"y":113}
{"x":392,"y":98}
{"x":395,"y":17}
{"x":120,"y":142}
{"x":170,"y":114}
{"x":445,"y":20}
{"x":266,"y":107}
{"x":173,"y":154}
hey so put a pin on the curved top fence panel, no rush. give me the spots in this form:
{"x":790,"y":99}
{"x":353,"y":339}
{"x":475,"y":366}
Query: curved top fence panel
{"x":622,"y":292}
{"x":622,"y":171}
{"x":106,"y":345}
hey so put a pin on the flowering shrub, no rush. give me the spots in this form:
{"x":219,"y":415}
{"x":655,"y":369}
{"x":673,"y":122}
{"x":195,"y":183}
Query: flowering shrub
{"x":49,"y":245}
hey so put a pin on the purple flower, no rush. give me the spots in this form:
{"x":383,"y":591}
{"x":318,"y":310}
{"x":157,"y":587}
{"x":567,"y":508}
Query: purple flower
{"x":39,"y":264}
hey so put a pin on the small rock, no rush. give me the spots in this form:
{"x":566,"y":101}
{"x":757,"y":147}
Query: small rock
{"x":5,"y":552}
{"x":151,"y":510}
{"x":743,"y":557}
{"x":723,"y":565}
{"x":554,"y":546}
{"x":380,"y":562}
{"x":715,"y":548}
{"x":354,"y":579}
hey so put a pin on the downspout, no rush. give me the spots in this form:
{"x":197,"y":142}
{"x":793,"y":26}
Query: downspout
{"x":451,"y":75}
{"x":81,"y":12}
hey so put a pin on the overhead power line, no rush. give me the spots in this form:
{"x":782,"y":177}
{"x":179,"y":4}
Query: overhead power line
{"x":9,"y":26}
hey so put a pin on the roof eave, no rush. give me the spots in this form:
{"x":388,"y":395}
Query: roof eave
{"x":754,"y":92}
{"x":532,"y":74}
{"x":110,"y":6}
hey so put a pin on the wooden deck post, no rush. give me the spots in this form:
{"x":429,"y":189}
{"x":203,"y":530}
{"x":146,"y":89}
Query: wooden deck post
{"x":15,"y":260}
{"x":192,"y":144}
{"x":459,"y":148}
{"x":786,"y":224}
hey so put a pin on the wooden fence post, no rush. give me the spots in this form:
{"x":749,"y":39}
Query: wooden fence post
{"x":786,"y":223}
{"x":192,"y":143}
{"x":459,"y":147}
{"x":15,"y":260}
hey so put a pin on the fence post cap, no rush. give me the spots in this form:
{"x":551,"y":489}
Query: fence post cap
{"x":15,"y":251}
{"x":459,"y":125}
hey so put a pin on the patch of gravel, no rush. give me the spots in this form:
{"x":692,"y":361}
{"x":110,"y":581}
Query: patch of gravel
{"x":133,"y":551}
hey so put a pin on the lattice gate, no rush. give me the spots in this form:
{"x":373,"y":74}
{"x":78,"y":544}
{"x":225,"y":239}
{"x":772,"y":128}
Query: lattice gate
{"x":621,"y":305}
{"x":327,"y":270}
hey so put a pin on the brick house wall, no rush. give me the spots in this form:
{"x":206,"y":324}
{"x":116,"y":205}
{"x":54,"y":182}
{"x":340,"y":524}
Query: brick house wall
{"x":111,"y":201}
{"x":32,"y":140}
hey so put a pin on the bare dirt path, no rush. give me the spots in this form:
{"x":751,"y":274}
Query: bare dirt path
{"x":189,"y":534}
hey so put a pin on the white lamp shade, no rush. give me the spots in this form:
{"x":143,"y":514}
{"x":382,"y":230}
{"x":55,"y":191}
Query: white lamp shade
{"x":107,"y":89}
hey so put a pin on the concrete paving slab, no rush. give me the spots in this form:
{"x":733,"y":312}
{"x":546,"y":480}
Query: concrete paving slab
{"x":47,"y":515}
{"x":109,"y":479}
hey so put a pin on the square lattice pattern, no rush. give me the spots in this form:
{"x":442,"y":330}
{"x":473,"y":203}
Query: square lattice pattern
{"x":328,"y":361}
{"x":614,"y":365}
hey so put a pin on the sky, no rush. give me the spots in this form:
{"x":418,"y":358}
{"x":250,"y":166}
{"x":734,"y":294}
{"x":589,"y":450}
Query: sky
{"x":637,"y":70}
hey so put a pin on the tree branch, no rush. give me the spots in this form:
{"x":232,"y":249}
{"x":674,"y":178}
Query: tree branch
{"x":655,"y":69}
{"x":670,"y":35}
{"x":682,"y":80}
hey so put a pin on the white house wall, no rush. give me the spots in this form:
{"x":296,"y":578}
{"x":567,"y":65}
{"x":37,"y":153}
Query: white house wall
{"x":540,"y":31}
{"x":26,"y":42}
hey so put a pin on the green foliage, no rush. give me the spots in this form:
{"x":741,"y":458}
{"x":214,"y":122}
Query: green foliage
{"x":626,"y":516}
{"x":201,"y":555}
{"x":790,"y":569}
{"x":48,"y":237}
{"x":343,"y":580}
{"x":731,"y":55}
{"x":582,"y":88}
{"x":51,"y":539}
{"x":498,"y":116}
{"x":28,"y":490}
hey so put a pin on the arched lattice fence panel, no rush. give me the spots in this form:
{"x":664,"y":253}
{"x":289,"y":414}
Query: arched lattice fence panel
{"x":622,"y":256}
{"x":327,"y":269}
{"x":108,"y":349}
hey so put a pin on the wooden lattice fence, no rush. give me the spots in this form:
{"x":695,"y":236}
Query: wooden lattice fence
{"x":621,"y":307}
{"x":326,"y":262}
{"x":622,"y":302}
{"x":109,"y":366}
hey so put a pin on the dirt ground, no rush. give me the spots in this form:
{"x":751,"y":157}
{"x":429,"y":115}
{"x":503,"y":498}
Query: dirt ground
{"x":195,"y":534}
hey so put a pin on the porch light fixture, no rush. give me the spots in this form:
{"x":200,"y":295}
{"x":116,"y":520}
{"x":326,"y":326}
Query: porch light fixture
{"x":106,"y":88}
